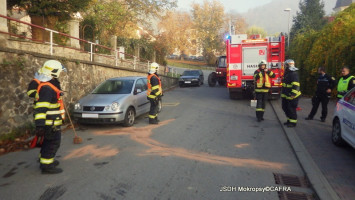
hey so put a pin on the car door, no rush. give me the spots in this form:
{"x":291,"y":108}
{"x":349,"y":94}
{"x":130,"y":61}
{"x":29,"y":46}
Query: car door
{"x":140,"y":96}
{"x":348,"y":122}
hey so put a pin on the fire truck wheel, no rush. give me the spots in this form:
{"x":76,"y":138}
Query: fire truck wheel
{"x":212,"y":79}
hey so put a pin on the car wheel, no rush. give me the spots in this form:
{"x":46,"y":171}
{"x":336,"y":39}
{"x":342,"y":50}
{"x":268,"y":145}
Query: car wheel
{"x":129,"y":118}
{"x":336,"y":133}
{"x":160,"y":105}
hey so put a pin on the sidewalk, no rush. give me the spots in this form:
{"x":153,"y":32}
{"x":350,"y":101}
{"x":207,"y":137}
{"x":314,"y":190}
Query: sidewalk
{"x":336,"y":164}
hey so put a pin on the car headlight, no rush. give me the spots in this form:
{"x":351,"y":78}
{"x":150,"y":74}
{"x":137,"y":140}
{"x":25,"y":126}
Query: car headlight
{"x":77,"y":106}
{"x":114,"y":106}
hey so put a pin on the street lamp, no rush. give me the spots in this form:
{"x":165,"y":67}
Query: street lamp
{"x":288,"y":35}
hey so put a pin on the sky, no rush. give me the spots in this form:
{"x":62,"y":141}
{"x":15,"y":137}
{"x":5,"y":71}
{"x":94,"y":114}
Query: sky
{"x":242,"y":6}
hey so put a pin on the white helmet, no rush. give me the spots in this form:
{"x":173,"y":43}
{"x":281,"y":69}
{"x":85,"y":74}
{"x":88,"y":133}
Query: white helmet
{"x":154,"y":67}
{"x":52,"y":68}
{"x":290,"y":64}
{"x":263,"y":62}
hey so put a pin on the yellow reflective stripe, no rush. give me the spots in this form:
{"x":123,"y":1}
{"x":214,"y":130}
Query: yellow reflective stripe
{"x":152,"y":116}
{"x":158,"y":93}
{"x":40,"y":116}
{"x":42,"y":105}
{"x":54,"y":112}
{"x":56,"y":122}
{"x":271,"y":73}
{"x":261,"y":90}
{"x":155,"y":87}
{"x":54,"y":105}
{"x":46,"y":161}
{"x":260,"y":109}
{"x":295,"y":83}
{"x":30,"y":92}
{"x":295,"y":91}
{"x":152,"y":96}
{"x":293,"y":120}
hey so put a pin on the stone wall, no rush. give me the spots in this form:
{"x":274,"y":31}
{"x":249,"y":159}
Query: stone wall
{"x":17,"y":68}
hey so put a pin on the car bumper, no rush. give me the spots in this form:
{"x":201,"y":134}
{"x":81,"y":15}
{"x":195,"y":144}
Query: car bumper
{"x":189,"y":82}
{"x":102,"y":118}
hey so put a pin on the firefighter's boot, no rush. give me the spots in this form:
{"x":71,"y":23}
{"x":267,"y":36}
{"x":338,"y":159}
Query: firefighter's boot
{"x":50,"y":169}
{"x":153,"y":121}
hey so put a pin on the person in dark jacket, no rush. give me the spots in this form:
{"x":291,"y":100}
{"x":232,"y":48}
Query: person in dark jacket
{"x":345,"y":83}
{"x":325,"y":84}
{"x":49,"y":115}
{"x":154,"y":92}
{"x":262,"y":78}
{"x":290,"y":93}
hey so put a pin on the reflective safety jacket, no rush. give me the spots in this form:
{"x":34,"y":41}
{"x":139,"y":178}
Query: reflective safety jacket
{"x":154,"y":86}
{"x":262,"y":80}
{"x":344,"y":85}
{"x":49,"y":108}
{"x":290,"y":85}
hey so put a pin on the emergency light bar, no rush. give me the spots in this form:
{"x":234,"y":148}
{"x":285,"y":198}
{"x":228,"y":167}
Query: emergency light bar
{"x":253,"y":41}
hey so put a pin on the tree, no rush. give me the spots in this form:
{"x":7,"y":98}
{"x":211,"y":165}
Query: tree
{"x":310,"y":16}
{"x":208,"y":20}
{"x":254,"y":30}
{"x":239,"y":23}
{"x":176,"y":30}
{"x":47,"y":12}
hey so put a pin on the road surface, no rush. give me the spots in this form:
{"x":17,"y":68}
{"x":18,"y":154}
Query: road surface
{"x":206,"y":144}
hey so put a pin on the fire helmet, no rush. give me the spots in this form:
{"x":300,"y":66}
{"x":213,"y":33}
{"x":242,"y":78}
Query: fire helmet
{"x":154,"y":67}
{"x":52,"y":68}
{"x":290,"y":65}
{"x":263,"y":62}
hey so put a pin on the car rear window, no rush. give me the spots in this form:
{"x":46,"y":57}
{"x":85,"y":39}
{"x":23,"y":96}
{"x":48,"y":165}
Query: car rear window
{"x":114,"y":87}
{"x":350,"y":98}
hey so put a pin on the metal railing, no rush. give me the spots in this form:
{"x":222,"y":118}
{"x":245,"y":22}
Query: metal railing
{"x":95,"y":48}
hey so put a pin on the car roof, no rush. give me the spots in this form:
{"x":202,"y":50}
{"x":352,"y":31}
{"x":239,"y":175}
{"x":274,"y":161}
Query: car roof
{"x":127,"y":78}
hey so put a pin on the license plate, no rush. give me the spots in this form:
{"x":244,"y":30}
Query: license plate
{"x":187,"y":81}
{"x":85,"y":115}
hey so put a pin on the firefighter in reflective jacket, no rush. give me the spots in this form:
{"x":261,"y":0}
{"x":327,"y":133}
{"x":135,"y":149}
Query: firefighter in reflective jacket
{"x":154,"y":92}
{"x":345,"y":83}
{"x":262,"y":85}
{"x":49,"y":115}
{"x":290,"y":93}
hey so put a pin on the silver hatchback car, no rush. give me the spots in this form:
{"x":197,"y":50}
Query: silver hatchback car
{"x":116,"y":100}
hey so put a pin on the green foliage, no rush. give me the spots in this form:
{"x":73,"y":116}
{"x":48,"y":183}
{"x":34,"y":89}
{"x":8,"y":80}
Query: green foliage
{"x":332,"y":47}
{"x":19,"y":64}
{"x":310,"y":16}
{"x":62,"y":9}
{"x":254,"y":30}
{"x":18,"y":132}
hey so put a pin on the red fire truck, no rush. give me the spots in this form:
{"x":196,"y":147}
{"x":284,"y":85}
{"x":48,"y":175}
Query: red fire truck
{"x":243,"y":56}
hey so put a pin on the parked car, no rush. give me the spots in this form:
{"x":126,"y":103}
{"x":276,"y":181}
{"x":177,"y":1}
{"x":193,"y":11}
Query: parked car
{"x":200,"y":58}
{"x":116,"y":100}
{"x":172,"y":56}
{"x":344,"y":120}
{"x":191,"y":77}
{"x":193,"y":58}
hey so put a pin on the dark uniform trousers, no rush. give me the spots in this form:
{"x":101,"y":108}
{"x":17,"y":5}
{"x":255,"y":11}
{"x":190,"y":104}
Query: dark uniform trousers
{"x":261,"y":98}
{"x":316,"y":100}
{"x":153,"y":108}
{"x":289,"y":107}
{"x":51,"y":143}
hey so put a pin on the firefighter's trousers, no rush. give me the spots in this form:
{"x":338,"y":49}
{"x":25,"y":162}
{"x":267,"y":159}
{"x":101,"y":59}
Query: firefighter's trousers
{"x":153,"y":113}
{"x":261,"y":98}
{"x":316,"y":100}
{"x":50,"y":146}
{"x":289,"y":107}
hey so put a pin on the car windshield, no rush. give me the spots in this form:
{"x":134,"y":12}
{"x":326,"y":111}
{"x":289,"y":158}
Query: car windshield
{"x":191,"y":73}
{"x":114,"y":87}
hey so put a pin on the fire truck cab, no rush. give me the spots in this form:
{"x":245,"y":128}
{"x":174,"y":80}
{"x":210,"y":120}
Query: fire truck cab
{"x":243,"y":57}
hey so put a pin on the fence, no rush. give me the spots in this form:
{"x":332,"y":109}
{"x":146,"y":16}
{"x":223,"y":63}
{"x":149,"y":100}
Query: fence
{"x":96,"y":50}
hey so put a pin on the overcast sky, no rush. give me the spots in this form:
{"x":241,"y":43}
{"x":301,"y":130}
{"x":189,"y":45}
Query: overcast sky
{"x":242,"y":6}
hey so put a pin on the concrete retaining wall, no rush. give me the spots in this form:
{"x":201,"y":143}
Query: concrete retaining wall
{"x":17,"y":68}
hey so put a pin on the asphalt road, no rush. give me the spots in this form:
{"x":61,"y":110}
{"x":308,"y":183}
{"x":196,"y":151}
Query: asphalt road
{"x":205,"y":141}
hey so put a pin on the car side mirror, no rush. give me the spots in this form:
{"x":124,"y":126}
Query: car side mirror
{"x":137,"y":91}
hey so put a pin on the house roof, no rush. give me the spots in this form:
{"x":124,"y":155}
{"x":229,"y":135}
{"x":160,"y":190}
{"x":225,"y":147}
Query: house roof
{"x":342,"y":3}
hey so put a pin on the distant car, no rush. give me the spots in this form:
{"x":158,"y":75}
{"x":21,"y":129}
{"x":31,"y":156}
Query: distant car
{"x":191,"y":77}
{"x":344,"y":120}
{"x":173,"y":56}
{"x":116,"y":100}
{"x":193,"y":58}
{"x":200,"y":58}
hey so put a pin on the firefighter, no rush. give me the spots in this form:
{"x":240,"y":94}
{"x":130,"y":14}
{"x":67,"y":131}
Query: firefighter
{"x":154,"y":92}
{"x":290,"y":93}
{"x":262,"y":80}
{"x":345,"y":83}
{"x":49,"y":115}
{"x":325,"y":84}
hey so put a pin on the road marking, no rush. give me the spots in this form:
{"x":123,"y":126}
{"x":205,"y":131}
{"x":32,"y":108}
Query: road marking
{"x":171,"y":104}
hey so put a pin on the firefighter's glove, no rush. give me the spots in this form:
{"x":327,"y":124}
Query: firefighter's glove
{"x":40,"y":131}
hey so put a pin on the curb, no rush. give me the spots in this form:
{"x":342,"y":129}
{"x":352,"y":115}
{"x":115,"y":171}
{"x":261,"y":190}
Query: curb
{"x":318,"y":181}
